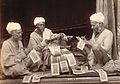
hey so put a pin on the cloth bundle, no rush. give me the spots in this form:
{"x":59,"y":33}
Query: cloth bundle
{"x":112,"y":66}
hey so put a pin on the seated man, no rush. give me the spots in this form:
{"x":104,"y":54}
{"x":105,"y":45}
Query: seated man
{"x":100,"y":45}
{"x":40,"y":38}
{"x":12,"y":54}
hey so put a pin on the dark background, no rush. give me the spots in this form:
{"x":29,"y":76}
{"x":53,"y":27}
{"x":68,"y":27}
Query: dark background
{"x":68,"y":16}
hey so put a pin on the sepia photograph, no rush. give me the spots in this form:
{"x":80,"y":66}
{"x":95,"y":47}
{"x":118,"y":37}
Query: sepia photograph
{"x":59,"y":41}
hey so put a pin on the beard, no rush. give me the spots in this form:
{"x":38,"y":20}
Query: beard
{"x":19,"y":38}
{"x":41,"y":29}
{"x":96,"y":31}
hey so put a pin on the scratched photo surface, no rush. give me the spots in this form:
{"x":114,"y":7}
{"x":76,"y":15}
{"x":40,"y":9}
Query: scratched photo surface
{"x":70,"y":17}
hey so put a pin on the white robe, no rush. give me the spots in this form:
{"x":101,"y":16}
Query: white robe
{"x":9,"y":56}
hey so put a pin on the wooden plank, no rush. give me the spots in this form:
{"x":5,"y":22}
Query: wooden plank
{"x":118,"y":25}
{"x":0,"y":22}
{"x":80,"y":80}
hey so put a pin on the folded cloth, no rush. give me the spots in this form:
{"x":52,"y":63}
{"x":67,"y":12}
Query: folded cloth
{"x":112,"y":66}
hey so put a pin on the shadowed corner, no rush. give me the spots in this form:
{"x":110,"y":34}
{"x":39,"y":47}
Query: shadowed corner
{"x":1,"y":73}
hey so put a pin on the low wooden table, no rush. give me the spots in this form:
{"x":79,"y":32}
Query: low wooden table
{"x":69,"y":79}
{"x":74,"y":80}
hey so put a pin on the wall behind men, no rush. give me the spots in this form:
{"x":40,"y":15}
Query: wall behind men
{"x":69,"y":16}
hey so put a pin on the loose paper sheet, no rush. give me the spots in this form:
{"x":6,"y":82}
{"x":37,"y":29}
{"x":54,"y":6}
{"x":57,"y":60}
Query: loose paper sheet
{"x":55,"y":66}
{"x":102,"y":74}
{"x":36,"y":78}
{"x":71,"y":59}
{"x":34,"y":56}
{"x":55,"y":50}
{"x":46,"y":34}
{"x":81,"y":72}
{"x":27,"y":79}
{"x":63,"y":64}
{"x":81,"y":44}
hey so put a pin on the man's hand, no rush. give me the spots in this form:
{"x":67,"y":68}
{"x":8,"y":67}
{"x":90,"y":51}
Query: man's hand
{"x":40,"y":46}
{"x":18,"y":59}
{"x":83,"y":37}
{"x":78,"y":38}
{"x":96,"y":46}
{"x":44,"y":43}
{"x":61,"y":35}
{"x":85,"y":40}
{"x":37,"y":48}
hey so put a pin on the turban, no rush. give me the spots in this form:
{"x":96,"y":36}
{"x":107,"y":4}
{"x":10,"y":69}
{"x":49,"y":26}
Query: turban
{"x":12,"y":26}
{"x":98,"y":17}
{"x":38,"y":20}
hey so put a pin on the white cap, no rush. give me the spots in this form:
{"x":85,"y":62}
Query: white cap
{"x":98,"y":17}
{"x":38,"y":20}
{"x":12,"y":26}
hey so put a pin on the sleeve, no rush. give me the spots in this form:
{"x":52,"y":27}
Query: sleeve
{"x":22,"y":52}
{"x":108,"y":41}
{"x":21,"y":55}
{"x":6,"y":55}
{"x":33,"y":44}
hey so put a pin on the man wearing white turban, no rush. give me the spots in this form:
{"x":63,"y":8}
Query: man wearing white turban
{"x":100,"y":43}
{"x":12,"y":52}
{"x":39,"y":41}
